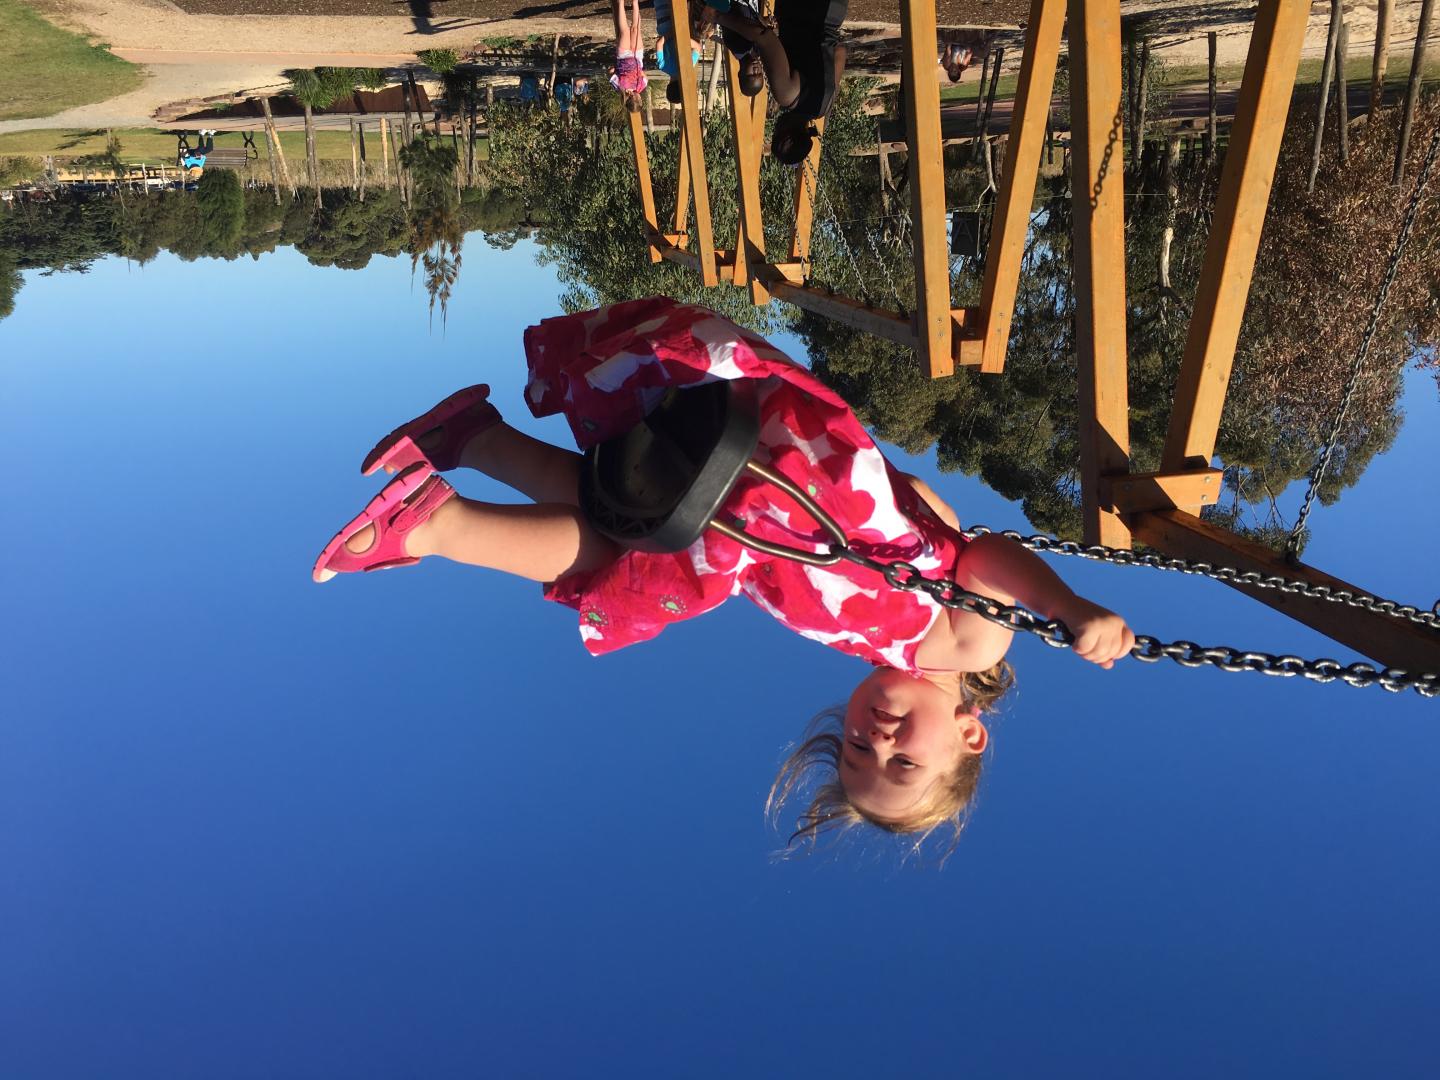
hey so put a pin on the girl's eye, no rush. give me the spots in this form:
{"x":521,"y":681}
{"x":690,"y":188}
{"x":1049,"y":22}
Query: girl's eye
{"x":861,"y":747}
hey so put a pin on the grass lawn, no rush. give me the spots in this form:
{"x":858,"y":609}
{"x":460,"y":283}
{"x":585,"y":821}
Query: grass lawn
{"x":151,"y":147}
{"x":969,"y":87}
{"x":45,"y":70}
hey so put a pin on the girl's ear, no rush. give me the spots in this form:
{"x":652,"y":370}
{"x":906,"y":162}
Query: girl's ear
{"x":974,"y":734}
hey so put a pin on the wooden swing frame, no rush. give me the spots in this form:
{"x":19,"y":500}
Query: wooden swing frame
{"x":1118,"y":506}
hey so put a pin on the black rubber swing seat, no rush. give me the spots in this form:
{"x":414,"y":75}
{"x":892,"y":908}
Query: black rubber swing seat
{"x":657,"y":487}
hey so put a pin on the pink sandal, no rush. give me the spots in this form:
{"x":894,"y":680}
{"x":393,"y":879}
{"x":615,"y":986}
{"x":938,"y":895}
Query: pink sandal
{"x":401,"y":447}
{"x":405,"y":502}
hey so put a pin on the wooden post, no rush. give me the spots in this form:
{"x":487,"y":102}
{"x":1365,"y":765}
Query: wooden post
{"x":927,"y":186}
{"x":750,"y":236}
{"x":1327,"y":72}
{"x":1393,"y":642}
{"x":354,"y":157}
{"x":1342,"y":100}
{"x":554,"y":64}
{"x":1011,"y":221}
{"x":1098,"y":201}
{"x":1212,"y":131}
{"x":277,"y":149}
{"x":694,"y":143}
{"x":712,"y":92}
{"x":1384,"y":9}
{"x":990,"y":94}
{"x":1142,"y":97}
{"x":649,"y":109}
{"x":1412,"y":88}
{"x":274,"y":163}
{"x":681,"y":220}
{"x":647,"y":192}
{"x":364,"y":165}
{"x":385,"y":148}
{"x":1235,"y":232}
{"x":979,"y":100}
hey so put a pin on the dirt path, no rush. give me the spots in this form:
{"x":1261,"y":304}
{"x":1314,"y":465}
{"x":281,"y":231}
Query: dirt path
{"x":191,"y":51}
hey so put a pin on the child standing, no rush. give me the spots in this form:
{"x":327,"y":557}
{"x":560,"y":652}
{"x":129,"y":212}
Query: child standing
{"x":905,"y":750}
{"x":628,"y":74}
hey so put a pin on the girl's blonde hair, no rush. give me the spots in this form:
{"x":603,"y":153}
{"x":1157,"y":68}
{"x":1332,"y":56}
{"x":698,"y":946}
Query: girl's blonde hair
{"x":830,"y":807}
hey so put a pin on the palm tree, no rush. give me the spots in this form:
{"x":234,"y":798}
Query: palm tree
{"x":319,"y":88}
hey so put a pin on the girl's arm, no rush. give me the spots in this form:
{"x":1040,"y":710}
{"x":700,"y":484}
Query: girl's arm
{"x":1001,"y":569}
{"x":998,"y":567}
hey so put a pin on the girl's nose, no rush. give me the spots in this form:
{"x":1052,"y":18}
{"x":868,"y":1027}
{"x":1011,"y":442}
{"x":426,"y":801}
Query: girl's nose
{"x":876,"y":734}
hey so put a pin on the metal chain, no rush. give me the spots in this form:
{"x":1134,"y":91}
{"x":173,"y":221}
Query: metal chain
{"x":1292,"y":544}
{"x":1253,"y":578}
{"x":828,"y":212}
{"x":909,"y":578}
{"x":807,"y":267}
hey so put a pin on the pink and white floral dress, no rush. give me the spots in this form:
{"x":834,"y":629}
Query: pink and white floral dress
{"x":605,"y":369}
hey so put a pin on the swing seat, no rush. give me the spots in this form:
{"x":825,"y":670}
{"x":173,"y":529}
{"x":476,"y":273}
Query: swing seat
{"x":656,"y":487}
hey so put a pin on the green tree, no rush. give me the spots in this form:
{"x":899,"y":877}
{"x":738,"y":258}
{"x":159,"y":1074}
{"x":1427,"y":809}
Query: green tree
{"x":222,"y":209}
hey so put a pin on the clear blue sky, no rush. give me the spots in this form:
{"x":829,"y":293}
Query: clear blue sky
{"x":403,"y":826}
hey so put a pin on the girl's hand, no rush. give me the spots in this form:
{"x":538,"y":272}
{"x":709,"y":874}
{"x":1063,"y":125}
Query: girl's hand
{"x":1101,"y":636}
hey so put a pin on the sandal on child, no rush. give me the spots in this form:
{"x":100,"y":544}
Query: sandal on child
{"x":401,"y":448}
{"x":405,"y":502}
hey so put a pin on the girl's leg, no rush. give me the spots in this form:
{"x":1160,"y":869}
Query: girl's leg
{"x":544,"y":473}
{"x":637,"y":34}
{"x":539,"y":542}
{"x":622,"y":27}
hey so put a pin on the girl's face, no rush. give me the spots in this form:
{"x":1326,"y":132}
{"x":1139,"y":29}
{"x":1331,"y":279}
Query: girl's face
{"x":902,"y":734}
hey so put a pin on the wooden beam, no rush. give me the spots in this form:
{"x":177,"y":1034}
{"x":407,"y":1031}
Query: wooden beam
{"x":682,"y":187}
{"x":927,"y":186}
{"x":1391,"y":641}
{"x":890,"y":325}
{"x":967,"y":348}
{"x":806,"y":181}
{"x":691,"y":261}
{"x":1130,"y":493}
{"x":750,"y":242}
{"x":693,"y":125}
{"x":1235,"y":232}
{"x":642,"y":174}
{"x":1098,"y":201}
{"x":1011,"y":221}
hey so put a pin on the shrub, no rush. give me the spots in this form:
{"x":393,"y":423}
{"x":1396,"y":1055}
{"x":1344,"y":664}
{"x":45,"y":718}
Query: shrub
{"x":440,"y":61}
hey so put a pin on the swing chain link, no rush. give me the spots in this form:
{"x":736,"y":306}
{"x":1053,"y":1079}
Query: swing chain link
{"x":1228,"y":574}
{"x":909,"y":578}
{"x":1322,"y":464}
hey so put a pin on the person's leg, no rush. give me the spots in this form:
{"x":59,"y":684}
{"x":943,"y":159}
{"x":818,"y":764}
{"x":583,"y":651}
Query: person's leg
{"x":538,"y":470}
{"x":540,"y":542}
{"x":637,"y":30}
{"x":622,"y":28}
{"x":784,"y":83}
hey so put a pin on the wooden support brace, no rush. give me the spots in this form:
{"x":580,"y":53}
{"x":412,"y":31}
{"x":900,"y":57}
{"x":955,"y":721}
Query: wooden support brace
{"x":966,"y":345}
{"x":1130,"y":493}
{"x":750,"y":240}
{"x":1392,"y":642}
{"x":806,"y":181}
{"x":1235,"y":232}
{"x":927,"y":186}
{"x":1098,"y":200}
{"x":647,"y":191}
{"x":890,"y":325}
{"x":694,"y":136}
{"x":682,"y":187}
{"x":1011,"y":221}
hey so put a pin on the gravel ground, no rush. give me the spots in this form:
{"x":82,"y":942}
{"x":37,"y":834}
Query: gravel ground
{"x":433,"y":16}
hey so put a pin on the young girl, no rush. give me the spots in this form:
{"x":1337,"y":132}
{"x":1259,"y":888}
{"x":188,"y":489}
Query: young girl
{"x":905,"y":750}
{"x":628,"y":74}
